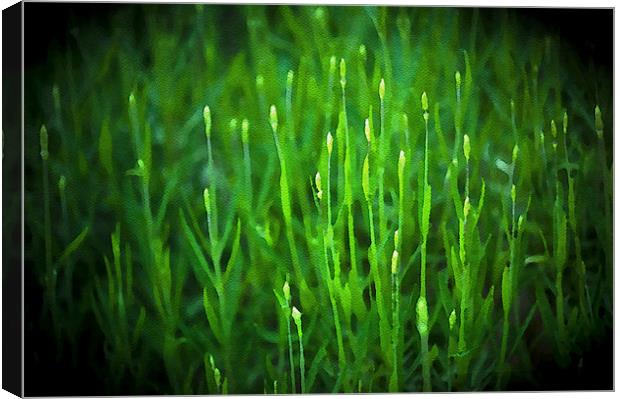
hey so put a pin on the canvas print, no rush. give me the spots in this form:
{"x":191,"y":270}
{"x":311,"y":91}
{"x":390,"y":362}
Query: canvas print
{"x":293,"y":199}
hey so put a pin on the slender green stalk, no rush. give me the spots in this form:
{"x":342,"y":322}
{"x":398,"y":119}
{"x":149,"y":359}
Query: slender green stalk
{"x":421,"y":305}
{"x":247,"y":163}
{"x":286,"y":289}
{"x":329,"y":234}
{"x":296,"y":314}
{"x":285,"y":195}
{"x":348,"y":183}
{"x":373,"y":258}
{"x":394,"y":378}
{"x":380,"y":167}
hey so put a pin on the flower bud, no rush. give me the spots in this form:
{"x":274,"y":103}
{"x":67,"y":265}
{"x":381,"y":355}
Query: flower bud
{"x":332,"y":65}
{"x":366,"y":179}
{"x":245,"y":128}
{"x":466,"y":147}
{"x":317,"y":180}
{"x":401,"y":163}
{"x":452,"y":319}
{"x":598,"y":122}
{"x":286,"y":289}
{"x":43,"y":142}
{"x":466,"y":207}
{"x":296,"y":314}
{"x":421,"y":311}
{"x":330,"y":143}
{"x":207,"y":199}
{"x":367,"y":130}
{"x":206,"y":115}
{"x":343,"y":72}
{"x":396,"y":238}
{"x":424,"y":102}
{"x":457,"y":79}
{"x":382,"y":89}
{"x":395,"y":262}
{"x":554,"y":130}
{"x":273,"y":118}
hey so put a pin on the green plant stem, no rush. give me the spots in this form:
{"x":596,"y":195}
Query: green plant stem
{"x":330,"y":282}
{"x":380,"y":175}
{"x":290,"y":348}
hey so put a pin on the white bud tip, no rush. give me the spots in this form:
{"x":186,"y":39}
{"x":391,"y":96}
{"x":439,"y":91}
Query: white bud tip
{"x":382,"y":89}
{"x":330,"y":143}
{"x":367,"y":129}
{"x":396,"y":238}
{"x":395,"y":262}
{"x":317,"y":180}
{"x":466,"y":207}
{"x":273,"y":117}
{"x":296,"y":314}
{"x":289,"y":78}
{"x":245,"y":128}
{"x":286,"y":289}
{"x":466,"y":146}
{"x":424,"y":102}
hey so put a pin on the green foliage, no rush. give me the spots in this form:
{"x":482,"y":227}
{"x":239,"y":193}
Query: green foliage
{"x":223,"y":205}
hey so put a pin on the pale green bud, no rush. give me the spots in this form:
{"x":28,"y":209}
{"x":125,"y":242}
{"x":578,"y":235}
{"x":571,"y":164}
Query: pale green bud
{"x":132,"y":100}
{"x":330,"y":143}
{"x":366,"y":179}
{"x":245,"y":128}
{"x":598,"y":122}
{"x":233,"y":124}
{"x":289,"y":80}
{"x":396,"y":238}
{"x":206,"y":115}
{"x":367,"y":130}
{"x":332,"y":65}
{"x":217,"y":376}
{"x":513,"y":193}
{"x":296,"y":314}
{"x":452,"y":319}
{"x":211,"y":361}
{"x":382,"y":89}
{"x":401,"y":163}
{"x":457,"y":79}
{"x":317,"y":180}
{"x":515,"y":153}
{"x":260,"y":82}
{"x":466,"y":207}
{"x":565,"y":123}
{"x":343,"y":72}
{"x":466,"y":147}
{"x":43,"y":142}
{"x":206,"y":199}
{"x":554,"y":130}
{"x":395,"y":262}
{"x":286,"y":289}
{"x":424,"y":102}
{"x":273,"y":118}
{"x":421,"y":311}
{"x":520,"y":223}
{"x":362,"y":51}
